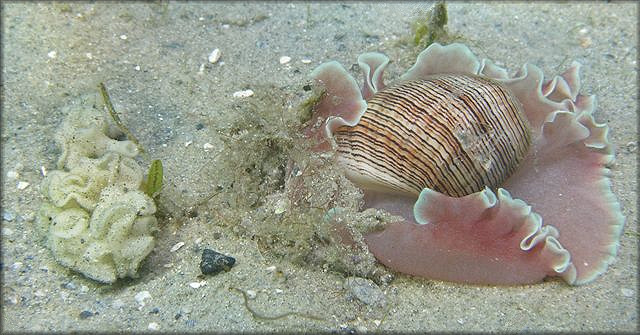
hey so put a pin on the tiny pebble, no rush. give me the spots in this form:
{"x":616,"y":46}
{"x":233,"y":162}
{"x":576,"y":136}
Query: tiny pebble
{"x":117,"y":304}
{"x":187,"y":143}
{"x":52,"y":54}
{"x":137,"y":68}
{"x":155,"y":310}
{"x":16,"y":266}
{"x":8,"y":216}
{"x":141,"y":296}
{"x":271,"y":268}
{"x":40,"y":293}
{"x":153,"y":326}
{"x":207,"y":146}
{"x":251,"y":294}
{"x":627,"y":292}
{"x":85,"y":314}
{"x":305,"y":61}
{"x":285,"y":59}
{"x":279,"y":291}
{"x":176,"y":246}
{"x":214,"y":56}
{"x":22,"y":185}
{"x":460,"y":321}
{"x":123,"y":37}
{"x":43,"y":170}
{"x":12,"y":174}
{"x":377,"y":322}
{"x":89,"y":55}
{"x":213,"y":262}
{"x":29,"y":216}
{"x":585,"y":41}
{"x":69,"y":286}
{"x":243,"y":94}
{"x":365,"y":290}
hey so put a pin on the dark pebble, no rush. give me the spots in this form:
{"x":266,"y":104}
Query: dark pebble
{"x":306,"y":87}
{"x":199,"y":126}
{"x":213,"y":262}
{"x":155,"y":310}
{"x":85,"y":314}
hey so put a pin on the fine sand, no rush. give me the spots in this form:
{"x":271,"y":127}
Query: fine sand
{"x":153,"y":57}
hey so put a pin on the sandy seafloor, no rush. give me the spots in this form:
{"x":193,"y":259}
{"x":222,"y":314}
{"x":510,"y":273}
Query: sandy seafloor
{"x":149,"y":55}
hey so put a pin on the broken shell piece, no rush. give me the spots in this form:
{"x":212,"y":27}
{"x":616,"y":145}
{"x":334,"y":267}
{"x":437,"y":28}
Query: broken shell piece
{"x":243,"y":94}
{"x":285,"y":59}
{"x":214,"y":56}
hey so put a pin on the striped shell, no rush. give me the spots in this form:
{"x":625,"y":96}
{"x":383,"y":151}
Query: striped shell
{"x":452,"y":133}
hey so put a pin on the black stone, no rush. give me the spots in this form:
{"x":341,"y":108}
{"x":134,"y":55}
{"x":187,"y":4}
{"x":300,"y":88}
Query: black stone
{"x":85,"y":314}
{"x":213,"y":262}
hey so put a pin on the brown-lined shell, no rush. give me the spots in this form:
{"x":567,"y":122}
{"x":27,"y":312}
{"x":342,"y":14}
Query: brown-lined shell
{"x":452,"y":133}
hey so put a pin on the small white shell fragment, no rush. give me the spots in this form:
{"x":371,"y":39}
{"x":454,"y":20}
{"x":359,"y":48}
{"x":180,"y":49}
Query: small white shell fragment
{"x":377,"y":322}
{"x":627,"y":292}
{"x":271,"y":268}
{"x":279,"y":291}
{"x":201,"y":69}
{"x":123,"y":37}
{"x":141,"y":296}
{"x":285,"y":59}
{"x":52,"y":54}
{"x":176,"y":246}
{"x":22,"y":185}
{"x":187,"y":143}
{"x":43,"y":170}
{"x":305,"y":61}
{"x":137,"y":68}
{"x":281,"y":206}
{"x":214,"y":56}
{"x":198,"y":284}
{"x":251,"y":294}
{"x":207,"y":146}
{"x":243,"y":94}
{"x":89,"y":55}
{"x":153,"y":326}
{"x":12,"y":174}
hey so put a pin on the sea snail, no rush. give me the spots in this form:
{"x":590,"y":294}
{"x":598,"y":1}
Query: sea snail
{"x":453,"y":133}
{"x":447,"y":144}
